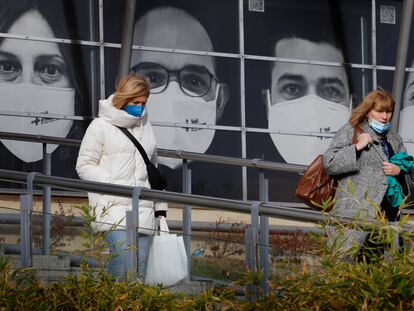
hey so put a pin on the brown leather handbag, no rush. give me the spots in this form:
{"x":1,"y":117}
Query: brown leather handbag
{"x":315,"y":187}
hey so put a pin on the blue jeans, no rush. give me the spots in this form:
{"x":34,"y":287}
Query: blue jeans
{"x":117,"y":266}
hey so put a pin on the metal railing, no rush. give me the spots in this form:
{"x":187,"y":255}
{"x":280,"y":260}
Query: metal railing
{"x":259,"y":210}
{"x":255,"y":236}
{"x":261,"y":165}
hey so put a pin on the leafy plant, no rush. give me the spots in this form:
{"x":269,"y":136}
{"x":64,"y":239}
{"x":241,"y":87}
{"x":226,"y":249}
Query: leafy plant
{"x":226,"y":242}
{"x":94,"y":241}
{"x":59,"y":222}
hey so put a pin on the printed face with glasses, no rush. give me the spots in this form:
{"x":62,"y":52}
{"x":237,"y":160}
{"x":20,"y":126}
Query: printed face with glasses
{"x":183,"y":93}
{"x":186,"y":97}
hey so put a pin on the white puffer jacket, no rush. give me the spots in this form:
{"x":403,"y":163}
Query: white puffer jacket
{"x":107,"y":155}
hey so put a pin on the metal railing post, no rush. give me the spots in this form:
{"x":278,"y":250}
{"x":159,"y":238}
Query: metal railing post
{"x":26,"y":207}
{"x":394,"y":246}
{"x":264,"y":234}
{"x":26,"y":230}
{"x":251,"y":239}
{"x":127,"y":37}
{"x":401,"y":59}
{"x":187,"y":214}
{"x":132,"y":254}
{"x":47,"y":210}
{"x":136,"y":192}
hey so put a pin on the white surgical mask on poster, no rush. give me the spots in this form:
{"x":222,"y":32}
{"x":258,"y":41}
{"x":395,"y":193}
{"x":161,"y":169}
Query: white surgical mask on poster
{"x":310,"y":114}
{"x":172,"y":105}
{"x":406,"y":127}
{"x":26,"y":97}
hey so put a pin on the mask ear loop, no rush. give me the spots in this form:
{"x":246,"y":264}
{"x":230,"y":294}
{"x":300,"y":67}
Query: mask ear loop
{"x":221,"y":97}
{"x":350,"y":105}
{"x":267,"y":100}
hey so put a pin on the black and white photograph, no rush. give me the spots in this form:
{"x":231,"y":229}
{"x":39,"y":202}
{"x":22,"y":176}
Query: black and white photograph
{"x":41,"y":78}
{"x":190,"y":93}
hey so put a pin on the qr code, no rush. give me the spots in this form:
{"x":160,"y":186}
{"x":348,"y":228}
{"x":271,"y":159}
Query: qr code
{"x":387,"y":14}
{"x":256,"y":5}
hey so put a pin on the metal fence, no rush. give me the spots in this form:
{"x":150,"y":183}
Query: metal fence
{"x":260,"y":165}
{"x":256,"y":235}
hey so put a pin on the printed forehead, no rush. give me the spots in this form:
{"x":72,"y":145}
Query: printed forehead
{"x":171,"y":28}
{"x":304,"y":49}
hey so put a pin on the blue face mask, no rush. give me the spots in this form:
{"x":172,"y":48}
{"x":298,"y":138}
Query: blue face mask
{"x":379,"y":127}
{"x":135,"y":111}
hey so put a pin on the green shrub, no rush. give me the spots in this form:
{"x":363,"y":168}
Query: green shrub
{"x":337,"y":281}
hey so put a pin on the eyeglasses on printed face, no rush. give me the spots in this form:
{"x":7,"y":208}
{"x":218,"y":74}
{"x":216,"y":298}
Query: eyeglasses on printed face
{"x":194,"y":80}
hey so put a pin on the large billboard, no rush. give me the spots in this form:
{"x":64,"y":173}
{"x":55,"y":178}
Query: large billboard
{"x":270,"y":80}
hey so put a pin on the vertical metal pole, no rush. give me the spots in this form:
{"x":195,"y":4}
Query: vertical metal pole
{"x":242,"y":98}
{"x":127,"y":35}
{"x":101,"y":52}
{"x":132,"y":254}
{"x":93,"y":57}
{"x":264,"y":234}
{"x":136,"y":192}
{"x":47,"y":210}
{"x":401,"y":59}
{"x":364,"y":54}
{"x":251,"y":239}
{"x":187,"y":214}
{"x":26,"y":230}
{"x":374,"y":44}
{"x":249,"y":257}
{"x":26,"y":206}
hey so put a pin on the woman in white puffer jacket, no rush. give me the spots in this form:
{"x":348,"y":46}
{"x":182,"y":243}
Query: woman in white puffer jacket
{"x":108,"y":155}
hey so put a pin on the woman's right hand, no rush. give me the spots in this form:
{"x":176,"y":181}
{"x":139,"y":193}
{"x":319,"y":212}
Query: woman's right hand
{"x":363,"y":140}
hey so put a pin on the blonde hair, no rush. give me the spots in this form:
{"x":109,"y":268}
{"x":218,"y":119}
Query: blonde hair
{"x":377,"y":99}
{"x":129,"y":88}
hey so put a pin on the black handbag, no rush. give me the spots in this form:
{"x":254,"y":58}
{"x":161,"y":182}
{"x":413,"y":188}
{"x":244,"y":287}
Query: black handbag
{"x":155,"y":178}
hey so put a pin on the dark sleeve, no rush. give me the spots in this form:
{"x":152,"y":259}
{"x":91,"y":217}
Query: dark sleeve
{"x":358,"y":152}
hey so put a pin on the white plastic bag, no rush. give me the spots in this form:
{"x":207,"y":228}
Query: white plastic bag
{"x":167,"y":259}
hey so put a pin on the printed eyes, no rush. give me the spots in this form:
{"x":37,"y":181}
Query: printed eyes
{"x":49,"y":73}
{"x":291,"y":91}
{"x":331,"y":91}
{"x":9,"y":70}
{"x":194,"y":80}
{"x":49,"y":70}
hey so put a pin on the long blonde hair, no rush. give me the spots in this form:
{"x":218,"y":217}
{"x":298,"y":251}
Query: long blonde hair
{"x":129,"y":88}
{"x":377,"y":99}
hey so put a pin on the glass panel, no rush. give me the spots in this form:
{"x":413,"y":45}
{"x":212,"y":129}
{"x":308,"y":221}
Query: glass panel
{"x":337,"y":23}
{"x":281,"y":184}
{"x":300,"y":101}
{"x":198,"y":25}
{"x":175,"y":103}
{"x":208,"y":178}
{"x":300,"y":128}
{"x":76,"y":19}
{"x":45,"y":78}
{"x":388,"y":18}
{"x":406,"y":126}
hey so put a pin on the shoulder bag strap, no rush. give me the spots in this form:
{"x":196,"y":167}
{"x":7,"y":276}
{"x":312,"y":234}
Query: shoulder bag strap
{"x":136,"y":143}
{"x":357,"y":130}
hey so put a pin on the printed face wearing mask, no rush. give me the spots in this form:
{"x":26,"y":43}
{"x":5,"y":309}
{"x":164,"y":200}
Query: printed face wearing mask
{"x":25,"y":97}
{"x":172,"y":105}
{"x":134,"y":110}
{"x":379,"y":127}
{"x":406,"y":127}
{"x":310,"y":114}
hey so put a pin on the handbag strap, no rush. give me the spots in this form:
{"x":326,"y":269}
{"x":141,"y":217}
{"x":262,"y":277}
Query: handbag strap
{"x":136,"y":143}
{"x":357,"y":130}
